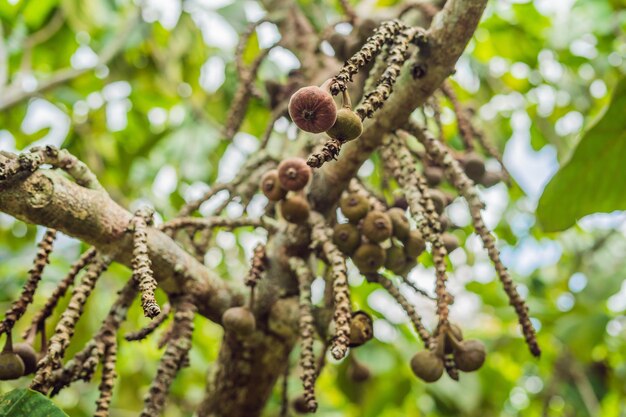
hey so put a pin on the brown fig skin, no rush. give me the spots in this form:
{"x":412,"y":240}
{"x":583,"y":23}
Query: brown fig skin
{"x":313,"y":109}
{"x":377,"y":226}
{"x":270,"y":186}
{"x":401,"y":226}
{"x":299,"y":405}
{"x":369,"y":257}
{"x":474,"y":166}
{"x":11,"y":366}
{"x":450,"y":241}
{"x":354,"y":207}
{"x":396,"y":260}
{"x":347,"y":127}
{"x":427,"y":366}
{"x":28,"y":356}
{"x":434,"y":176}
{"x":295,"y":209}
{"x":239,"y":320}
{"x":293,"y":174}
{"x":490,"y":178}
{"x":469,"y":355}
{"x":439,"y":200}
{"x":414,"y":245}
{"x":361,"y":329}
{"x":347,"y":238}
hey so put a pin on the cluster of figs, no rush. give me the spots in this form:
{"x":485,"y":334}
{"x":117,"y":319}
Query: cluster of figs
{"x":313,"y":110}
{"x":285,"y":184}
{"x":17,"y":360}
{"x":468,"y":355}
{"x":374,"y":238}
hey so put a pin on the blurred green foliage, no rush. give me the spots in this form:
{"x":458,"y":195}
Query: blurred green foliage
{"x":148,"y":123}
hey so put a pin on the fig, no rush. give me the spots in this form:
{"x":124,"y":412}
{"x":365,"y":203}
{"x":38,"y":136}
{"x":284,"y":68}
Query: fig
{"x":313,"y":109}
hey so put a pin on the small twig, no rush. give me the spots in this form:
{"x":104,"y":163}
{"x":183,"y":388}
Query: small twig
{"x":457,"y":177}
{"x":320,"y":236}
{"x":150,"y":327}
{"x":307,"y":332}
{"x":58,"y":293}
{"x":142,"y":266}
{"x":198,"y":223}
{"x":18,"y":308}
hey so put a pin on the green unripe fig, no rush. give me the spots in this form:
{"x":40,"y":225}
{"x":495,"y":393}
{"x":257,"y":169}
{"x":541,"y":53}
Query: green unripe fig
{"x":347,"y":127}
{"x":295,"y":209}
{"x":377,"y":226}
{"x":11,"y":366}
{"x":401,"y":226}
{"x":369,"y":257}
{"x":396,"y":260}
{"x":469,"y":355}
{"x":28,"y":355}
{"x":414,"y":245}
{"x":354,"y":207}
{"x":239,"y":320}
{"x":427,"y":366}
{"x":347,"y":238}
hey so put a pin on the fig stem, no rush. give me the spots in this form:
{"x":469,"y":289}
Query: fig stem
{"x":8,"y":345}
{"x":326,"y":85}
{"x":345,"y":98}
{"x":456,"y":344}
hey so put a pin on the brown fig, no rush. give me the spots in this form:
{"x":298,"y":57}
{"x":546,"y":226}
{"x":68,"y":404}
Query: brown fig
{"x":300,"y":405}
{"x":434,"y":175}
{"x":239,"y":320}
{"x":295,"y":209}
{"x":369,"y":257}
{"x":313,"y":109}
{"x":490,"y":178}
{"x":400,"y":223}
{"x":450,"y":241}
{"x":293,"y":174}
{"x":427,"y":366}
{"x":439,"y":200}
{"x":354,"y":206}
{"x":474,"y":166}
{"x":28,"y":355}
{"x":377,"y":226}
{"x":347,"y":238}
{"x":453,"y":331}
{"x":444,"y":221}
{"x":347,"y":127}
{"x":414,"y":245}
{"x":396,"y":260}
{"x":361,"y":329}
{"x":270,"y":186}
{"x":401,"y":202}
{"x":11,"y":366}
{"x":469,"y":355}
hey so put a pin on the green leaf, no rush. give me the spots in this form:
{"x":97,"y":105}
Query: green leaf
{"x":28,"y":403}
{"x":593,"y":179}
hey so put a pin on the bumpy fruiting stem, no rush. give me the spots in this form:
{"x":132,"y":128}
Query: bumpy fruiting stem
{"x":255,"y":273}
{"x":58,"y":158}
{"x":416,"y":319}
{"x":174,"y":358}
{"x":307,"y":332}
{"x":328,"y":152}
{"x":198,"y":223}
{"x":455,"y":174}
{"x":64,"y":330}
{"x":18,"y":308}
{"x":142,"y":266}
{"x":400,"y":162}
{"x":385,"y":33}
{"x":108,"y":376}
{"x":320,"y":236}
{"x":58,"y":293}
{"x":376,"y":98}
{"x":150,"y":327}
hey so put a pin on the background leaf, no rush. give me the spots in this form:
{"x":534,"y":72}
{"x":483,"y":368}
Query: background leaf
{"x":28,"y":403}
{"x":592,"y":180}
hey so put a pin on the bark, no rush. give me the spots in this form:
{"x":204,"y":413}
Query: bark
{"x":248,"y":368}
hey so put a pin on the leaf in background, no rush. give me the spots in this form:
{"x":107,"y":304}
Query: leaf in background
{"x":27,"y":403}
{"x":594,"y":178}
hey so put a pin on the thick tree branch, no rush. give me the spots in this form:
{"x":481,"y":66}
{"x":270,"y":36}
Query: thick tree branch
{"x":49,"y":199}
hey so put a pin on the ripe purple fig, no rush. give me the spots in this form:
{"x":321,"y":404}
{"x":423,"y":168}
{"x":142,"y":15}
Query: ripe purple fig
{"x":294,"y":174}
{"x":313,"y":109}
